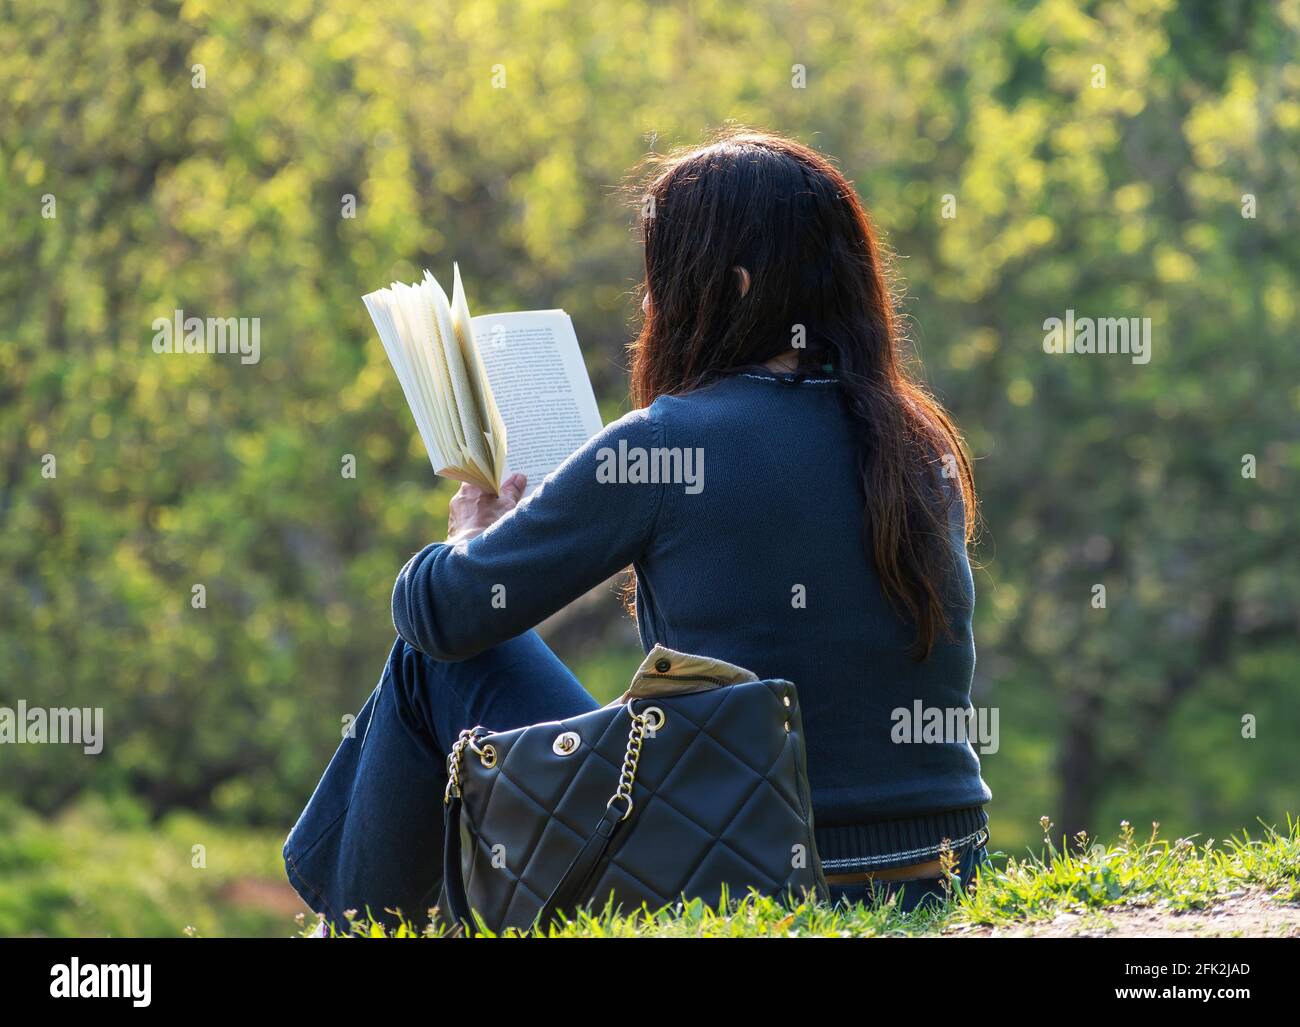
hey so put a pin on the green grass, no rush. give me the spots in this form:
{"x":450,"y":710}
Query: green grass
{"x":1082,"y":877}
{"x":105,"y":869}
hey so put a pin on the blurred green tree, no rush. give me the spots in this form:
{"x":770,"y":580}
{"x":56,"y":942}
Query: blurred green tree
{"x":1118,"y":159}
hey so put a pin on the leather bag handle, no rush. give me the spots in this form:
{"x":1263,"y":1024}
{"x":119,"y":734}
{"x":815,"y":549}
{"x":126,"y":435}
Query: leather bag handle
{"x":573,"y":884}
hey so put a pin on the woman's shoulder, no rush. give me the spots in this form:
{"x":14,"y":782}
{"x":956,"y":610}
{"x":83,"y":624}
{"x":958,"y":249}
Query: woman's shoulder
{"x":677,"y":411}
{"x":741,"y":401}
{"x":740,"y":396}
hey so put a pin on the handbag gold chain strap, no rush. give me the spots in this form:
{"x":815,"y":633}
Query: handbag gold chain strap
{"x":627,"y":775}
{"x":487,"y":755}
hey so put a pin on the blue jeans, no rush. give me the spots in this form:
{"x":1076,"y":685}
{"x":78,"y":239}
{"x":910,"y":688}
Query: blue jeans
{"x":914,"y":895}
{"x":370,"y":838}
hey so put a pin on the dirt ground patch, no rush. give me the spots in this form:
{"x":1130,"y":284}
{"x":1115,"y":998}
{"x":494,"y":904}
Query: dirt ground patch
{"x":1246,"y":913}
{"x":267,"y":896}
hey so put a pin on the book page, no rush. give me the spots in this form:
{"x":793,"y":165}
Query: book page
{"x":466,"y":419}
{"x":541,"y":388}
{"x":489,"y":418}
{"x":441,"y":378}
{"x":385,"y":312}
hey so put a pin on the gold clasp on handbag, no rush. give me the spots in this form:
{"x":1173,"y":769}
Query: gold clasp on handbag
{"x":487,"y":755}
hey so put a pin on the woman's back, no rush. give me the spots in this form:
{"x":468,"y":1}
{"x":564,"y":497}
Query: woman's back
{"x":740,"y":506}
{"x":764,"y":566}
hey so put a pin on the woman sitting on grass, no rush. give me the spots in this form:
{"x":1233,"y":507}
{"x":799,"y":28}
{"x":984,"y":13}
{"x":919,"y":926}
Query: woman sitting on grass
{"x":821,"y":539}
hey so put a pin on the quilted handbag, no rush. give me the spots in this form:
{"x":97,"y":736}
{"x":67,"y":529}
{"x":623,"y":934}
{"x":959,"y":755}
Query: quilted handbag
{"x":693,"y":783}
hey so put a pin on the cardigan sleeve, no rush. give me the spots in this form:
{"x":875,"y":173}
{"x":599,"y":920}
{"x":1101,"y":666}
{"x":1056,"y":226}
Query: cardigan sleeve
{"x":582,"y":524}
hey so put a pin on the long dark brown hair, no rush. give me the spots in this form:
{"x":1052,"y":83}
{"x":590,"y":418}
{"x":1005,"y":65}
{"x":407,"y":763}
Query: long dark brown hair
{"x":820,"y":289}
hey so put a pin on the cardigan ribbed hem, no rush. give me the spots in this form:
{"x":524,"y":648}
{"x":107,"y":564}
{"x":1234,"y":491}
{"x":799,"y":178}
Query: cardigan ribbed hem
{"x":879,"y":844}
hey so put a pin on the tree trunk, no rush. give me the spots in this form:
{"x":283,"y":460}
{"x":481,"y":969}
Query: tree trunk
{"x":1078,"y":765}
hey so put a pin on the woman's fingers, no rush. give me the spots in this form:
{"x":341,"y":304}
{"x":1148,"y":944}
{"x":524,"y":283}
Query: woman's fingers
{"x":512,"y":488}
{"x":472,"y":510}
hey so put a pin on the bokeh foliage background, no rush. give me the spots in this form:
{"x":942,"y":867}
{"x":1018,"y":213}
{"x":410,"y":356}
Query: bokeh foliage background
{"x":226,"y":201}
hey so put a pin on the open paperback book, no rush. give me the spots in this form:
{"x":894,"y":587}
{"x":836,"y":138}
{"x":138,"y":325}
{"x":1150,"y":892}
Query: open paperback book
{"x":492,"y":396}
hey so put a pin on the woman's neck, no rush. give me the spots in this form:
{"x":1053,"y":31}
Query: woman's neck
{"x":784,"y":362}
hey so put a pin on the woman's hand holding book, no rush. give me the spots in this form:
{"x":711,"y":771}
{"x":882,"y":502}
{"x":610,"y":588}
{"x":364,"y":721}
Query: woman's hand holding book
{"x":473,"y":511}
